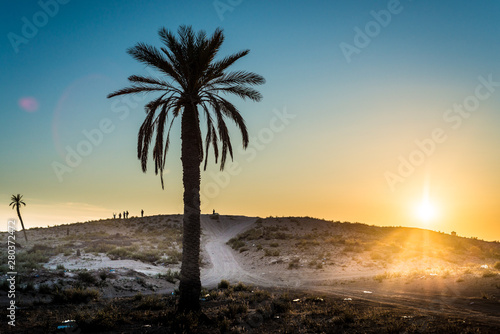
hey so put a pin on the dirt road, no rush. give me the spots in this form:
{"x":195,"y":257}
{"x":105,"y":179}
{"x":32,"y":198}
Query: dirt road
{"x":222,"y":263}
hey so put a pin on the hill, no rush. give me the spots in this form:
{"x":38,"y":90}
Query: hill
{"x":289,"y":261}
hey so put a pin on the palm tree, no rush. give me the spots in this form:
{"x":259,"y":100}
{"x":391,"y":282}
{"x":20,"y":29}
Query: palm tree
{"x":190,"y":87}
{"x":17,"y":200}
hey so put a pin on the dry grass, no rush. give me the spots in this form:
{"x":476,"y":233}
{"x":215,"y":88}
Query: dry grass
{"x":241,"y":308}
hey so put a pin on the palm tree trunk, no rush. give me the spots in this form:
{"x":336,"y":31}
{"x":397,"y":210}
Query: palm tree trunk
{"x":190,"y":284}
{"x":22,"y":224}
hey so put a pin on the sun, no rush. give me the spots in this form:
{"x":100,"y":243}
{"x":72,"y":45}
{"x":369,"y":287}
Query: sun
{"x":426,"y":212}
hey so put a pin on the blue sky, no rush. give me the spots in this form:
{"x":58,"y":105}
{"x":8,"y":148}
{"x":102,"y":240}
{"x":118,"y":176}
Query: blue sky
{"x":353,"y":119}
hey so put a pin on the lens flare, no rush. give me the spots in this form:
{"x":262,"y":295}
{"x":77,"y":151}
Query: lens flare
{"x":29,"y":104}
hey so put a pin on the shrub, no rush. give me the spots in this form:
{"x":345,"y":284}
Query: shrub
{"x":235,"y":243}
{"x":234,"y":309}
{"x":103,"y":275}
{"x":45,"y":289}
{"x":75,"y":295}
{"x":118,"y":252}
{"x":150,"y":256}
{"x":242,"y":287}
{"x":294,"y":264}
{"x":60,"y":267}
{"x":100,"y":247}
{"x":174,"y":256}
{"x":281,"y":306}
{"x":170,"y":276}
{"x":489,"y":273}
{"x":268,"y":252}
{"x":223,"y":284}
{"x":151,"y":302}
{"x":92,"y":321}
{"x":260,"y":295}
{"x":87,"y":277}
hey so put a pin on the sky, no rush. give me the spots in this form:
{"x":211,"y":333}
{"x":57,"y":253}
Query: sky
{"x":379,"y":112}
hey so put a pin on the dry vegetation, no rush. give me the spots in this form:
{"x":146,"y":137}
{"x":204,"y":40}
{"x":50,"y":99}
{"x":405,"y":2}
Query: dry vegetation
{"x":238,"y":308}
{"x":318,"y":245}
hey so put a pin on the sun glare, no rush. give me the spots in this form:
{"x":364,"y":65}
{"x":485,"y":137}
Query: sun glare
{"x":426,"y":212}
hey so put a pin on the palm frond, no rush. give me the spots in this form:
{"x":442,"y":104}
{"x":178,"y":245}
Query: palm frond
{"x":192,"y":78}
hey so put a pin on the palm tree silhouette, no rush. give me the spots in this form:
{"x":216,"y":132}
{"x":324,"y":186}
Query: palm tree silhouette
{"x":192,"y":83}
{"x":17,"y":201}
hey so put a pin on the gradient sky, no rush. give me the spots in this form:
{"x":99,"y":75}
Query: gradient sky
{"x":351,"y":117}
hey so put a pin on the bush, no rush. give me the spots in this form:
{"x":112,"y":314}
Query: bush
{"x":150,"y":256}
{"x":45,"y":289}
{"x":234,"y":309}
{"x":223,"y":284}
{"x":100,"y":247}
{"x":281,"y":306}
{"x":97,"y":321}
{"x":170,"y":276}
{"x":151,"y":302}
{"x":75,"y":295}
{"x":235,"y":243}
{"x":119,"y":252}
{"x":103,"y":275}
{"x":489,"y":273}
{"x":241,"y":287}
{"x":87,"y":277}
{"x":174,"y":256}
{"x":268,"y":252}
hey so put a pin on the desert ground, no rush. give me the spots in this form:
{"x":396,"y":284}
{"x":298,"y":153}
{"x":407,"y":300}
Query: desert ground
{"x":291,"y":274}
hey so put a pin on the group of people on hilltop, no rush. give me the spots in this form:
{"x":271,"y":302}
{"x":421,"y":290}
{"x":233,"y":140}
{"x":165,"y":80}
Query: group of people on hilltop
{"x":125,"y":214}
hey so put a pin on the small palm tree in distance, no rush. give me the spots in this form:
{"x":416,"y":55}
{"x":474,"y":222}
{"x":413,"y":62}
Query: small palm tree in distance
{"x":17,"y":201}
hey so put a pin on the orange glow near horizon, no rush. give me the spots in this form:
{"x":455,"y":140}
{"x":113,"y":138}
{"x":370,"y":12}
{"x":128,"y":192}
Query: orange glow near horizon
{"x":426,"y":211}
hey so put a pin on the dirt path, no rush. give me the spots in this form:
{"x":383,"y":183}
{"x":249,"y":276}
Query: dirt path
{"x":222,"y":263}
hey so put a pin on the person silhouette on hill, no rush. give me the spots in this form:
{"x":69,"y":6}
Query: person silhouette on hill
{"x":120,"y":216}
{"x":142,"y":213}
{"x":114,"y":215}
{"x":127,"y":214}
